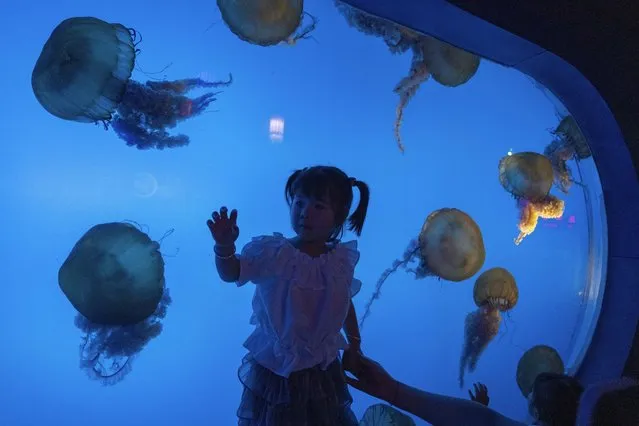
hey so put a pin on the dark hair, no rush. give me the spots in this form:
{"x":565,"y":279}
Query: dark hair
{"x":617,"y":407}
{"x":320,"y":181}
{"x":556,"y":398}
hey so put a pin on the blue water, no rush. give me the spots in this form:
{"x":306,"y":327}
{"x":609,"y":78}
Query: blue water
{"x":335,"y":95}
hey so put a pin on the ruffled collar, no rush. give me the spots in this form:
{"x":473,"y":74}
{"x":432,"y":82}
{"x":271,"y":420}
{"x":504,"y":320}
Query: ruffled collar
{"x":337,"y":249}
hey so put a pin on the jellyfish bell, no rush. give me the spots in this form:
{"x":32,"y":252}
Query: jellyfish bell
{"x":71,"y":63}
{"x":527,"y":175}
{"x":262,"y":22}
{"x":83,"y":74}
{"x":114,"y":275}
{"x":536,"y":360}
{"x":384,"y":415}
{"x":449,"y":65}
{"x":496,"y":287}
{"x":114,"y":278}
{"x":451,"y":245}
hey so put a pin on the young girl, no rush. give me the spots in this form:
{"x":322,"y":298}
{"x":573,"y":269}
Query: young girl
{"x":292,"y":375}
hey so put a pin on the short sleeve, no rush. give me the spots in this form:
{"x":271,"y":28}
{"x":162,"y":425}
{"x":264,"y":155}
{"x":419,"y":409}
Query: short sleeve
{"x":257,"y":259}
{"x":356,"y":286}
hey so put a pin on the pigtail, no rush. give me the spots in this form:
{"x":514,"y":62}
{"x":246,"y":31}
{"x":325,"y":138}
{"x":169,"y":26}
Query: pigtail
{"x":356,"y":221}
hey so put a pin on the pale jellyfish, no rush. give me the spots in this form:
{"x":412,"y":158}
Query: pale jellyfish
{"x":528,"y":176}
{"x":276,"y":129}
{"x":495,"y":291}
{"x":266,"y":22}
{"x":535,"y":361}
{"x":450,"y":246}
{"x":114,"y":278}
{"x":83,"y":74}
{"x":569,"y":144}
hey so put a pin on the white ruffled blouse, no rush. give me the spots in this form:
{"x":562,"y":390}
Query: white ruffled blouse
{"x":300,"y":302}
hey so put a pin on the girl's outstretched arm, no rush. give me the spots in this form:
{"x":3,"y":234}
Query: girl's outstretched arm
{"x":227,"y":263}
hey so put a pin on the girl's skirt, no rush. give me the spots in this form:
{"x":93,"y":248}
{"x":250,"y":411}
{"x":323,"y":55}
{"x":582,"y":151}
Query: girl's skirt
{"x":310,"y":397}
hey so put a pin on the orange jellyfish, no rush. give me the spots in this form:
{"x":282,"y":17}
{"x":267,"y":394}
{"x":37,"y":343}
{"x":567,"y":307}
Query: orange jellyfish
{"x":447,"y":64}
{"x":528,"y":176}
{"x":266,"y":22}
{"x":450,"y":246}
{"x":569,"y":143}
{"x":535,"y":361}
{"x":495,"y":291}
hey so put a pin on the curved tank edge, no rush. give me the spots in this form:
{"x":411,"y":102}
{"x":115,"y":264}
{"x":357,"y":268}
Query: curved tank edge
{"x":613,"y":335}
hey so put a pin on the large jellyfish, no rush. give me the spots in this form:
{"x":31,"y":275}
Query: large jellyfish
{"x":114,"y":278}
{"x":385,"y":415}
{"x":528,"y":176}
{"x":450,"y":246}
{"x":266,"y":22}
{"x":495,"y":291}
{"x":84,"y":72}
{"x":536,"y":360}
{"x":568,"y":144}
{"x":447,"y":64}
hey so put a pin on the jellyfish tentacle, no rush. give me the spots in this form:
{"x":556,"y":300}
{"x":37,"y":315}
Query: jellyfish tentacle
{"x":406,"y":89}
{"x":408,"y":256}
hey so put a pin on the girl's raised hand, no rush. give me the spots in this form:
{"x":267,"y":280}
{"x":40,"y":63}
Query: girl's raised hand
{"x":224,"y":227}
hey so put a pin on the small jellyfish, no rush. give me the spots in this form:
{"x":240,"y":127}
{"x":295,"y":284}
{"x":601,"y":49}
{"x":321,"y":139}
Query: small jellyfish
{"x":450,"y":66}
{"x":266,"y":22}
{"x":528,"y":176}
{"x":495,"y":291}
{"x":83,"y":74}
{"x":114,"y":278}
{"x":450,"y":246}
{"x":536,"y":360}
{"x":569,"y":143}
{"x":385,"y":415}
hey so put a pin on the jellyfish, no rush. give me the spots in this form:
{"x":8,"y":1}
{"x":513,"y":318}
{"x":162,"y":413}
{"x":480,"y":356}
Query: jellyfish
{"x":83,"y":74}
{"x":385,"y":415}
{"x":267,"y":22}
{"x":535,"y":361}
{"x":528,"y":176}
{"x":114,"y":278}
{"x":447,"y":64}
{"x":450,"y":246}
{"x":568,"y":144}
{"x":495,"y":292}
{"x":396,"y":40}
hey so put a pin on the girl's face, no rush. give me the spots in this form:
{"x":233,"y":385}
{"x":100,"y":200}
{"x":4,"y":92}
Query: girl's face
{"x":312,"y":219}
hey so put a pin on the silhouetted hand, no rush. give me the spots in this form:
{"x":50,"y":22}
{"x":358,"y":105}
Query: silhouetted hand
{"x":481,"y":394}
{"x":224,"y":228}
{"x":372,"y":379}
